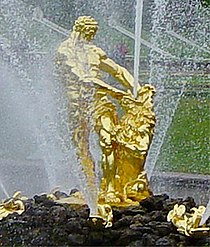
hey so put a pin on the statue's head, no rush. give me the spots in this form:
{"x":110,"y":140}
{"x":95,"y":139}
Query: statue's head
{"x":86,"y":26}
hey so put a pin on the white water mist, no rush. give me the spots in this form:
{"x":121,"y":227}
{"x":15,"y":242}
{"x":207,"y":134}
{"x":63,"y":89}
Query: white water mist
{"x":138,"y":28}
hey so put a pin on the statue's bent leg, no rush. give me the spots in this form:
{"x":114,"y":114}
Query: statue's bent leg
{"x":105,"y":121}
{"x":81,"y":143}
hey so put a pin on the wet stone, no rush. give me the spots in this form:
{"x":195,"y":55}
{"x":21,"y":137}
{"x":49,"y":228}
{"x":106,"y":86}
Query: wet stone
{"x":146,"y":219}
{"x":41,"y":239}
{"x":136,"y":227}
{"x":149,"y":239}
{"x":141,"y":228}
{"x":164,"y":229}
{"x":117,"y":213}
{"x":46,"y":223}
{"x":76,"y":239}
{"x":73,"y":225}
{"x":148,"y":203}
{"x":137,"y":219}
{"x":84,"y":212}
{"x":40,"y":199}
{"x":137,"y":243}
{"x":111,"y":235}
{"x":165,"y":241}
{"x":177,"y":237}
{"x":123,"y":222}
{"x":154,"y":202}
{"x":158,"y":216}
{"x":60,"y":194}
{"x":189,"y":203}
{"x":58,"y":213}
{"x":73,"y":191}
{"x":133,"y":211}
{"x":96,"y":238}
{"x":127,"y":236}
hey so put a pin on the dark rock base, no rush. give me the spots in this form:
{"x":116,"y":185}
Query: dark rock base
{"x":46,"y":223}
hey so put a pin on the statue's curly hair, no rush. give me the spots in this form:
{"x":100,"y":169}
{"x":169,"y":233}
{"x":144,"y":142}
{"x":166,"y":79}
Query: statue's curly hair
{"x":85,"y":24}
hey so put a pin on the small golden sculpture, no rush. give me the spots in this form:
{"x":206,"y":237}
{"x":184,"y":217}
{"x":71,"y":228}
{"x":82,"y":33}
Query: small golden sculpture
{"x":12,"y":205}
{"x":104,"y":216}
{"x":124,"y":124}
{"x":187,"y":223}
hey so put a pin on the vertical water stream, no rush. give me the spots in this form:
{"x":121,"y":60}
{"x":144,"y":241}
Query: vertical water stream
{"x":138,"y":28}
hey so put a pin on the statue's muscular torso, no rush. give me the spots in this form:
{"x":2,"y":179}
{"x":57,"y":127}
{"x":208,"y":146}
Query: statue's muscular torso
{"x":75,"y":64}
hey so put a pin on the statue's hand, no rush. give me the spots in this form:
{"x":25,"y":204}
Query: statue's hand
{"x":129,"y":102}
{"x":94,"y":81}
{"x":108,"y":89}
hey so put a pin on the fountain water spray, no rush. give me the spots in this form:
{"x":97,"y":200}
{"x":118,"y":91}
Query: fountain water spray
{"x":4,"y":189}
{"x":166,"y":102}
{"x":138,"y":28}
{"x":33,"y":109}
{"x":206,"y":214}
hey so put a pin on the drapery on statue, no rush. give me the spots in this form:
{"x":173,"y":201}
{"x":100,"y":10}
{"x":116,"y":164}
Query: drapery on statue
{"x":123,"y":123}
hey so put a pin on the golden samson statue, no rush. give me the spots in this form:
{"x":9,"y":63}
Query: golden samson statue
{"x":123,"y":123}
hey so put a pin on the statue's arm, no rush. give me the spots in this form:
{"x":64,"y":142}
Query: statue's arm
{"x":118,"y":72}
{"x":106,"y":88}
